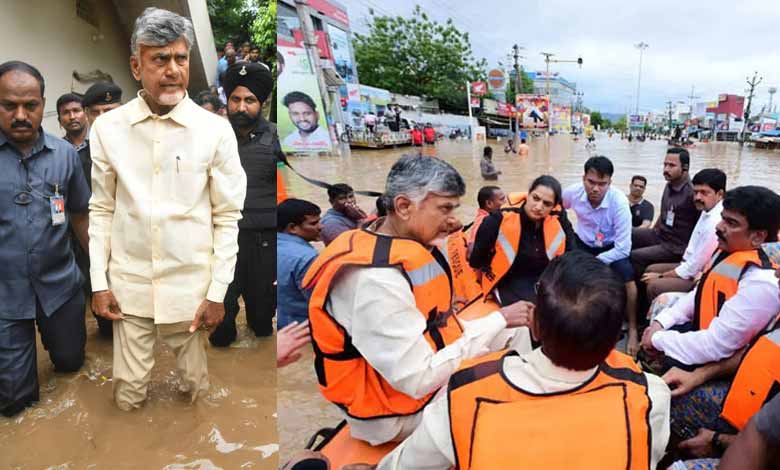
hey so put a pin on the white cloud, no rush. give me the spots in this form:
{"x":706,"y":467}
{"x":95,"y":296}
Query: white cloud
{"x":712,"y":45}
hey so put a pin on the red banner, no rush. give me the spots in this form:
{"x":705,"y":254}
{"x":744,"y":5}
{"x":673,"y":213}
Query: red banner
{"x":475,"y":102}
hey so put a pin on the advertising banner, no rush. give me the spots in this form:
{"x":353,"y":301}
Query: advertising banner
{"x":561,"y":118}
{"x":301,"y":121}
{"x":342,"y":58}
{"x":533,"y":111}
{"x":489,"y":106}
{"x":478,"y":88}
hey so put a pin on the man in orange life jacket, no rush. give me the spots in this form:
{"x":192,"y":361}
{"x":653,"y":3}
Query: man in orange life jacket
{"x":383,"y":332}
{"x":537,"y":409}
{"x":737,"y":296}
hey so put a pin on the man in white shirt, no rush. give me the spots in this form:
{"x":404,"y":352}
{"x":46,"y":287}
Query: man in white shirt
{"x":384,"y":335}
{"x":522,"y":399}
{"x":168,"y":189}
{"x":709,"y":186}
{"x":304,"y":115}
{"x":737,"y":297}
{"x":604,"y":229}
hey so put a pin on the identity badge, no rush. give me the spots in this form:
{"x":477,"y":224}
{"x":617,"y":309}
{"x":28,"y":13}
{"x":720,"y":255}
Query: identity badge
{"x":670,"y":218}
{"x":599,"y":239}
{"x":57,"y":205}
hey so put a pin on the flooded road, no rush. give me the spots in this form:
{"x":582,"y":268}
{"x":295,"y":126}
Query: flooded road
{"x":76,"y":426}
{"x":301,"y":409}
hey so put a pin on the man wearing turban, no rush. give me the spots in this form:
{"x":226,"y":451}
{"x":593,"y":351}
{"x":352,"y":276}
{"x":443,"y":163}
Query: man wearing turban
{"x":247,"y":85}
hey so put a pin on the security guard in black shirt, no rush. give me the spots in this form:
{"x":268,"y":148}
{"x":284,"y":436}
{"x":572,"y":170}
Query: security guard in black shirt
{"x":100,"y":98}
{"x":247,"y":86}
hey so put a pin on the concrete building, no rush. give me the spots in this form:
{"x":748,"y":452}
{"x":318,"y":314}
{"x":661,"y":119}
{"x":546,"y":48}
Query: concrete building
{"x":74,"y":43}
{"x":562,"y":91}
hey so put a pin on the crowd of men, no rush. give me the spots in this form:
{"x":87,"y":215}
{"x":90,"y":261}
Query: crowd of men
{"x":159,"y":210}
{"x":522,"y":384}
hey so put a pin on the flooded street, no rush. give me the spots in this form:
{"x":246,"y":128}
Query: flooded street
{"x":77,"y":426}
{"x":301,"y":409}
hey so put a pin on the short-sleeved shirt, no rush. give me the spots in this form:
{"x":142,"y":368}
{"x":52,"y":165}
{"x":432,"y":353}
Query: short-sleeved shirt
{"x":641,"y":212}
{"x":768,"y":421}
{"x":334,"y":223}
{"x":294,"y":255}
{"x":36,"y":259}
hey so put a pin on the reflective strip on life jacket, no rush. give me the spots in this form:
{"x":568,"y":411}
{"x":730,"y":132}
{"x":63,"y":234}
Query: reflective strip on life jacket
{"x":345,"y":377}
{"x":495,"y":424}
{"x":720,"y":282}
{"x":757,"y":381}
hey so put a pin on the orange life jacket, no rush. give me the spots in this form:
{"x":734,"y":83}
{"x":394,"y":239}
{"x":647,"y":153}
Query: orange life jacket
{"x":515,"y":199}
{"x":721,"y":281}
{"x":508,"y":242}
{"x":602,"y":424}
{"x":281,"y":191}
{"x":345,"y":377}
{"x":464,"y":279}
{"x":757,"y":380}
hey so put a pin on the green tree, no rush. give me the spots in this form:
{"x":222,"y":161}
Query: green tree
{"x":264,"y":30}
{"x":231,"y":20}
{"x":596,"y":119}
{"x":526,"y":86}
{"x":621,"y":124}
{"x":418,"y":56}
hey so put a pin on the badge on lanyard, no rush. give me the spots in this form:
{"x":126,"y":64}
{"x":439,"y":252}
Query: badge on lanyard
{"x":57,"y":206}
{"x":670,"y":217}
{"x":599,"y":239}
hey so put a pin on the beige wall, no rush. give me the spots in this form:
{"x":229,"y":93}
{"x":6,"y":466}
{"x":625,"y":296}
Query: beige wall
{"x":49,"y":35}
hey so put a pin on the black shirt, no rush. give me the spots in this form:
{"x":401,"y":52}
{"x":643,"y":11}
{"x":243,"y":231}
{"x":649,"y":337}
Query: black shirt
{"x":531,"y":259}
{"x":258,"y":153}
{"x":641,"y":212}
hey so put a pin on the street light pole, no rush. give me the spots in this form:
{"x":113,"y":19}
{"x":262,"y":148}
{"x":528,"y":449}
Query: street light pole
{"x":547,"y":61}
{"x":641,"y":46}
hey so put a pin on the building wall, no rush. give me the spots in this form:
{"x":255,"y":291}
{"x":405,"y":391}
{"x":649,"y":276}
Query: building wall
{"x":50,"y":36}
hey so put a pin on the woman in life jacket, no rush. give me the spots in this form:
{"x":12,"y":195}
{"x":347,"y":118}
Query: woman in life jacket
{"x":514,"y":245}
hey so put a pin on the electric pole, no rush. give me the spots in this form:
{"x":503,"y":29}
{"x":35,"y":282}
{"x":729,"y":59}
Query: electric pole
{"x":518,"y":88}
{"x":313,"y":52}
{"x":691,"y":98}
{"x":752,"y":84}
{"x":641,"y":46}
{"x":669,"y":109}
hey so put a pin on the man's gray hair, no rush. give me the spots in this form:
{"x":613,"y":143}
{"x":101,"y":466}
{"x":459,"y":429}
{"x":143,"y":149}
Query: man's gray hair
{"x":415,"y":176}
{"x":157,"y":27}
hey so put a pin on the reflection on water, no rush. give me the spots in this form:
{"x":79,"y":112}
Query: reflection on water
{"x":76,"y":425}
{"x":301,"y":409}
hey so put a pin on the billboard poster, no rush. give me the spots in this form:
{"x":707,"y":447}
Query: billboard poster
{"x":342,"y":58}
{"x":489,"y":106}
{"x":301,"y":120}
{"x":478,"y":88}
{"x":561,"y":118}
{"x":533,"y":111}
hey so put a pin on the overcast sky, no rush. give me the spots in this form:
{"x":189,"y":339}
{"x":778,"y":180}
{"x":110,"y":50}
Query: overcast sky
{"x":712,"y":45}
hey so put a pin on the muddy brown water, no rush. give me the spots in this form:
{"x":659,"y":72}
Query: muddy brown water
{"x":76,"y":426}
{"x":301,"y":408}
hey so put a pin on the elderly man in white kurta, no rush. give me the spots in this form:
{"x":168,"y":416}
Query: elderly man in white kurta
{"x":168,"y":189}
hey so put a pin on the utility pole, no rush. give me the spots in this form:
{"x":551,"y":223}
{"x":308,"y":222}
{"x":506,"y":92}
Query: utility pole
{"x":641,"y":46}
{"x":547,"y":61}
{"x":752,"y":84}
{"x":669,"y":109}
{"x":310,"y":44}
{"x":691,"y":98}
{"x":518,"y":88}
{"x":772,"y":91}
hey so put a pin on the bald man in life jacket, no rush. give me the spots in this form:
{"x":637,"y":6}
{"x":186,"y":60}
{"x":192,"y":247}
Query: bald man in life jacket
{"x":383,"y":330}
{"x":737,"y":296}
{"x":575,"y":402}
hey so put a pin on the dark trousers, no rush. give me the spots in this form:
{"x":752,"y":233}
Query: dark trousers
{"x":63,"y":335}
{"x":105,"y":326}
{"x":254,"y":282}
{"x":647,"y":249}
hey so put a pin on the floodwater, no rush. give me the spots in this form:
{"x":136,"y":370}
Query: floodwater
{"x":301,"y":408}
{"x":76,"y":426}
